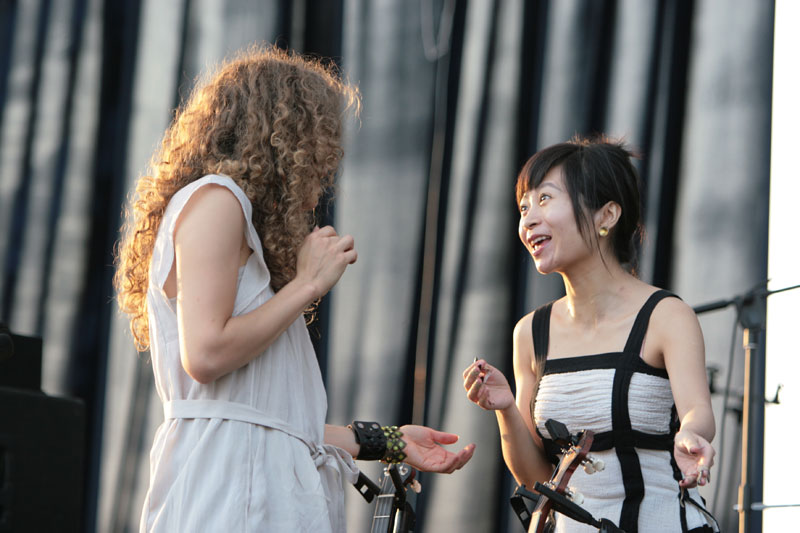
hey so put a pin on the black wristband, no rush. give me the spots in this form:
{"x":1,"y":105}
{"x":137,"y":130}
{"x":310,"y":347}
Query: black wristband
{"x":370,"y":438}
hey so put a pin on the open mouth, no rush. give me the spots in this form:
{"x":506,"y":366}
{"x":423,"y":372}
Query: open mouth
{"x":538,"y":242}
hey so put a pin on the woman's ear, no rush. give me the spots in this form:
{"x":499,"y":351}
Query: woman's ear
{"x":607,"y":216}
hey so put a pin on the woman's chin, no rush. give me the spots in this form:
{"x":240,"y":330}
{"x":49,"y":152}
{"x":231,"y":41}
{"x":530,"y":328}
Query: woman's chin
{"x":542,"y":268}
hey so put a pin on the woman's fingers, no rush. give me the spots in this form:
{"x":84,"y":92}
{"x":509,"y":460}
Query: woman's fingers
{"x":474,"y":390}
{"x":351,"y":256}
{"x":325,"y":231}
{"x":471,"y":374}
{"x":461,"y":458}
{"x":333,"y":246}
{"x":476,"y":365}
{"x":345,"y":243}
{"x":701,"y":477}
{"x":346,"y":246}
{"x":476,"y":384}
{"x":324,"y":257}
{"x":708,"y":453}
{"x":486,"y":386}
{"x":442,"y":437}
{"x":457,"y":461}
{"x":479,"y":394}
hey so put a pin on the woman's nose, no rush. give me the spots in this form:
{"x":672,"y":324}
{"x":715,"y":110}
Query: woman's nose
{"x":530,"y":218}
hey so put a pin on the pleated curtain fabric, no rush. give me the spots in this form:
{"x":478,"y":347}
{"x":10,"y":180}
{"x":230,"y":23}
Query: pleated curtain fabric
{"x":720,"y":243}
{"x":381,"y":201}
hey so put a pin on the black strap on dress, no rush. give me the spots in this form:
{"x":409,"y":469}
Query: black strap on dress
{"x":540,"y":326}
{"x":624,"y":436}
{"x":541,"y":331}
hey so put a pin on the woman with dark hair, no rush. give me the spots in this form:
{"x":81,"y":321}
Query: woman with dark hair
{"x":642,"y":390}
{"x":219,"y":262}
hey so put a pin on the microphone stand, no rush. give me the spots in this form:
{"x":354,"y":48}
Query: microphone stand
{"x":752,"y":312}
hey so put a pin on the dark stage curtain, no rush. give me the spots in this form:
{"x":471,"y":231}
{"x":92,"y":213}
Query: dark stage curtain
{"x":456,"y":95}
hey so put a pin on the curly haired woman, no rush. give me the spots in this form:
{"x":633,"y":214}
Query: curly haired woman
{"x":217,"y":266}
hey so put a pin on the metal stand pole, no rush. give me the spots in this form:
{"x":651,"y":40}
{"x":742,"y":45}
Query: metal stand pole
{"x":752,"y":484}
{"x":753,"y":316}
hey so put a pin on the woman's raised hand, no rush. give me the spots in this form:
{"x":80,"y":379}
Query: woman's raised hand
{"x":424,"y":451}
{"x":694,"y":456}
{"x":487,"y":386}
{"x":323,"y":258}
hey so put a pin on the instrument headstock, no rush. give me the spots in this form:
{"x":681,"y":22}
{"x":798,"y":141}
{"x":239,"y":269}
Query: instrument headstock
{"x":575,"y":450}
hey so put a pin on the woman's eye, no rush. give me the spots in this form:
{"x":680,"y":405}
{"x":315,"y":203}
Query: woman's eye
{"x":543,"y":197}
{"x":523,"y":209}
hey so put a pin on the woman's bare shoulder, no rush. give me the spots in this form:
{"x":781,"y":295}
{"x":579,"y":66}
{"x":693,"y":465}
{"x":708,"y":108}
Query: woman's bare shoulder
{"x":523,"y":325}
{"x":214,"y":196}
{"x":211,"y":206}
{"x":673,"y":307}
{"x":673,"y":315}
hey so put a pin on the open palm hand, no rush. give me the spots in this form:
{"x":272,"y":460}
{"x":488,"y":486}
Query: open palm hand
{"x":694,"y":456}
{"x":424,"y":451}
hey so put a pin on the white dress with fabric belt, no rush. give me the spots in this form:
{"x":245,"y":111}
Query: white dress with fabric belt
{"x":244,"y":453}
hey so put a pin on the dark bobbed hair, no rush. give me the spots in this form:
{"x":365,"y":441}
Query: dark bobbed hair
{"x":596,"y":170}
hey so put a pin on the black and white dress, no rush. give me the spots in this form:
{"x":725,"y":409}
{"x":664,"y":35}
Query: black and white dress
{"x":629,"y":406}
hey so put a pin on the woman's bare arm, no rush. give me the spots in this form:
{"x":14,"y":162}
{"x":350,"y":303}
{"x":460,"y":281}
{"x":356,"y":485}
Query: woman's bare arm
{"x":487,"y":387}
{"x":208,"y":238}
{"x":521,"y":445}
{"x":679,"y":337}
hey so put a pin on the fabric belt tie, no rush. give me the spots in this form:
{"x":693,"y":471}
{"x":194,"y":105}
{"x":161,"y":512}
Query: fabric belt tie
{"x":333,"y":463}
{"x":322,"y":454}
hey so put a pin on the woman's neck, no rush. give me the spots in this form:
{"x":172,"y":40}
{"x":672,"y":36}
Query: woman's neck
{"x":594,"y":289}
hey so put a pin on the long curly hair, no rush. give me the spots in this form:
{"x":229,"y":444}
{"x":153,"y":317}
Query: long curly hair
{"x":270,"y":120}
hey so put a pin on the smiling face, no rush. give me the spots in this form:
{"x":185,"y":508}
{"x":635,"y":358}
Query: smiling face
{"x":569,"y":192}
{"x":548,"y":227}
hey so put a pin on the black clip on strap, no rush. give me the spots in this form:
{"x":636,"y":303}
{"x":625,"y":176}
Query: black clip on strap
{"x":520,"y":507}
{"x":366,"y":487}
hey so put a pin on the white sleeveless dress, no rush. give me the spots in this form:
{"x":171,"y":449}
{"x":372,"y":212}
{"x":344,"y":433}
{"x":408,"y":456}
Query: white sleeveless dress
{"x":244,"y":453}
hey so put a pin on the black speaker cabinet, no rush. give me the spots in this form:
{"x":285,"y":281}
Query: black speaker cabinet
{"x":41,"y":462}
{"x":20,"y":360}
